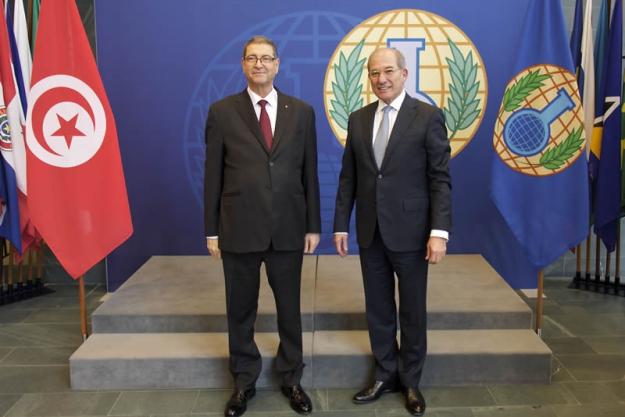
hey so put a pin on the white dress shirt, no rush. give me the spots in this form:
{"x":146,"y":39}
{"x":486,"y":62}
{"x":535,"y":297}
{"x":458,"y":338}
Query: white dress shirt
{"x":392,"y":115}
{"x":271,"y":106}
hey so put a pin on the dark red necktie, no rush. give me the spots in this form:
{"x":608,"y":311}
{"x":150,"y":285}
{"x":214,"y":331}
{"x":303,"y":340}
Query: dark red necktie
{"x":265,"y":123}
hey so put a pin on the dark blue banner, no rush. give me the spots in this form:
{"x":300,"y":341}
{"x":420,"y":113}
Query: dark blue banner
{"x":163,"y":63}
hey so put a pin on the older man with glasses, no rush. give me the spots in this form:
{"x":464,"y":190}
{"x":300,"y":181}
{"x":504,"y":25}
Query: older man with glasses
{"x":262,"y":206}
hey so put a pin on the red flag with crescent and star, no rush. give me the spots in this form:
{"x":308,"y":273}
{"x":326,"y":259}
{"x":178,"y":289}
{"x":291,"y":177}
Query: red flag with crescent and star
{"x":77,"y":193}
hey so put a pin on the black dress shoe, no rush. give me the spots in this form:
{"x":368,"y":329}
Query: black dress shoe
{"x":300,"y":402}
{"x":237,"y":404}
{"x":415,"y":403}
{"x":374,"y":392}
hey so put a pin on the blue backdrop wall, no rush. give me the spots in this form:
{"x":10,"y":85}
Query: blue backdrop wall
{"x":164,"y":62}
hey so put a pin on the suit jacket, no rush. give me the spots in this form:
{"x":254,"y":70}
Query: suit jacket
{"x":254,"y":196}
{"x":411,"y":193}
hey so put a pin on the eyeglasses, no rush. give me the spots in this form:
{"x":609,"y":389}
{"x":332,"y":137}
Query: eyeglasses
{"x":387,"y":72}
{"x":253,"y":59}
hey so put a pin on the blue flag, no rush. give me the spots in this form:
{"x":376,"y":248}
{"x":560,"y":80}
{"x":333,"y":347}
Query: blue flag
{"x":15,"y":58}
{"x":623,"y":150}
{"x":9,"y":130}
{"x":539,"y":180}
{"x":606,"y":146}
{"x":576,"y":35}
{"x":9,"y":212}
{"x":601,"y":46}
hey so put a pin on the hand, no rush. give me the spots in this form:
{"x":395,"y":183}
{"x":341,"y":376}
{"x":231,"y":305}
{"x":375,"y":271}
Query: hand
{"x":437,"y":247}
{"x":340,"y":242}
{"x":213,"y":248}
{"x":311,"y":240}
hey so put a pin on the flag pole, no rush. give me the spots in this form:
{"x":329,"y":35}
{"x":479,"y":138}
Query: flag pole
{"x":20,"y":277}
{"x":617,"y":268}
{"x":606,"y":282}
{"x":2,"y":256}
{"x":39,"y":278}
{"x":10,"y":274}
{"x":83,"y":307}
{"x":597,"y":261}
{"x":29,"y":20}
{"x":587,"y":276}
{"x":31,"y":282}
{"x":578,"y":265}
{"x":539,"y":304}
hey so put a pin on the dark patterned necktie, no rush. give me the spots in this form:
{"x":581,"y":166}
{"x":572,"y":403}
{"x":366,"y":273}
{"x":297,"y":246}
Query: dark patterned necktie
{"x":265,"y":123}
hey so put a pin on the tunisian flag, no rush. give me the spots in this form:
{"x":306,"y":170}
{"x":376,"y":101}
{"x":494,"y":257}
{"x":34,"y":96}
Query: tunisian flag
{"x":76,"y":190}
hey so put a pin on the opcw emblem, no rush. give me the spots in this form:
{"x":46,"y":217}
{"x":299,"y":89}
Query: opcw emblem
{"x":444,"y":69}
{"x":539,"y":128}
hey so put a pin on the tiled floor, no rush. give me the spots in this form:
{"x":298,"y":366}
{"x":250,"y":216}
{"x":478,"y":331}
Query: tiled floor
{"x":585,"y":330}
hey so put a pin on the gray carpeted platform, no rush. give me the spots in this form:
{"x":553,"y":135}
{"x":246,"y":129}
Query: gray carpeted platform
{"x":164,"y":328}
{"x":186,"y":294}
{"x":335,"y":359}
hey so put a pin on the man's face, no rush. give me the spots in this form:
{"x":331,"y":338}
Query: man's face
{"x":387,"y":79}
{"x":257,"y":72}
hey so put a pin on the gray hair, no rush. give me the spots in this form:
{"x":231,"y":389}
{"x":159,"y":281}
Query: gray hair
{"x":401,"y":60}
{"x":260,"y":39}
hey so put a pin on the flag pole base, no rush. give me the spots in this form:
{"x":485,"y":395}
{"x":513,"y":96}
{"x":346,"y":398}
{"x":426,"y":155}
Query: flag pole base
{"x":577,"y":279}
{"x":15,"y":293}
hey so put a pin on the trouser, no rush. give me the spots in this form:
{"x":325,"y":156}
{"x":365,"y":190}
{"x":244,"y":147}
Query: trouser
{"x":379,"y":266}
{"x":242,"y":275}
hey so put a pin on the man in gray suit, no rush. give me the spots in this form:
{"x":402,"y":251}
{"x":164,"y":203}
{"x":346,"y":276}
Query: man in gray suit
{"x":261,"y":202}
{"x":395,"y":169}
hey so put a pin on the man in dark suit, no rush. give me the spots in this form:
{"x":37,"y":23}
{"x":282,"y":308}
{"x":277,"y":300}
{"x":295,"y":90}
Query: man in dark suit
{"x":262,"y":206}
{"x":395,"y":168}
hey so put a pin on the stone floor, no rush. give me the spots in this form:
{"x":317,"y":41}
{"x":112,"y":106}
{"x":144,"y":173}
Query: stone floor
{"x":586,"y":332}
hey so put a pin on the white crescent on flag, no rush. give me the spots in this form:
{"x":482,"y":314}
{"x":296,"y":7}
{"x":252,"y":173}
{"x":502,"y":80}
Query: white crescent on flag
{"x":60,"y":132}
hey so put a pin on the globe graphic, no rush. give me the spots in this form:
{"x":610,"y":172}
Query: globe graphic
{"x":433,"y":75}
{"x":522,"y":150}
{"x":526,"y":133}
{"x":305,"y":43}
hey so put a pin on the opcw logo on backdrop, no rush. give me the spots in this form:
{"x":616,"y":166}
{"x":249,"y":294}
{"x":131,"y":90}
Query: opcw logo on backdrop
{"x":539,"y":128}
{"x":444,"y":69}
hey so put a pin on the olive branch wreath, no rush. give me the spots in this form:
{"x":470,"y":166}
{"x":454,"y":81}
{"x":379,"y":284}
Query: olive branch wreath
{"x":463,"y":105}
{"x":346,"y":86}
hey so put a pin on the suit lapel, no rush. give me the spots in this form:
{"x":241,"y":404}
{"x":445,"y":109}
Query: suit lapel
{"x":284,"y":119}
{"x":245,"y":107}
{"x":369,"y":115}
{"x":405,"y":116}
